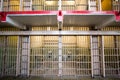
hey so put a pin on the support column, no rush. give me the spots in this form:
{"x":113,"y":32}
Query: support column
{"x":18,"y":55}
{"x":25,"y":49}
{"x":102,"y":55}
{"x":95,"y":56}
{"x":60,"y":56}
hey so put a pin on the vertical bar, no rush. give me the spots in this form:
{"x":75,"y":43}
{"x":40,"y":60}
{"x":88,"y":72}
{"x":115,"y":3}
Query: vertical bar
{"x":31,"y":5}
{"x":103,"y":56}
{"x":89,"y":5}
{"x":99,"y":5}
{"x":60,"y":5}
{"x":60,"y":56}
{"x":28,"y":56}
{"x":21,"y":5}
{"x":18,"y":56}
{"x":91,"y":57}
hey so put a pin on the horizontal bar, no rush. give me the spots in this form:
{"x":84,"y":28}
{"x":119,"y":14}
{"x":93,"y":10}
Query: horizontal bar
{"x":70,"y":33}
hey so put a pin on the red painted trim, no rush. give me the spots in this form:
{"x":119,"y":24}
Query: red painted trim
{"x":59,"y":13}
{"x":4,"y":14}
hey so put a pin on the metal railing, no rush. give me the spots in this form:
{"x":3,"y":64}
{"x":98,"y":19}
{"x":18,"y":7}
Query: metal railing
{"x":36,"y":5}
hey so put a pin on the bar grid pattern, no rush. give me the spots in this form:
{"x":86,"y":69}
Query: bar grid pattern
{"x":76,"y":56}
{"x":8,"y":54}
{"x":44,"y":57}
{"x":116,"y":5}
{"x":112,"y":55}
{"x":11,"y":5}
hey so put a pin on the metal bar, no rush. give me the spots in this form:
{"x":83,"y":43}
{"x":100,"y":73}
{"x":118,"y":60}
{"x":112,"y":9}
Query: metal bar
{"x":91,"y":57}
{"x":70,"y":33}
{"x":18,"y":56}
{"x":103,"y":56}
{"x":89,"y":5}
{"x":60,"y":5}
{"x":21,"y":5}
{"x":99,"y":5}
{"x":60,"y":56}
{"x":28,"y":56}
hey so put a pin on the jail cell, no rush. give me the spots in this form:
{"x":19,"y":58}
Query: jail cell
{"x":51,"y":5}
{"x":116,"y":5}
{"x":83,"y":56}
{"x":68,"y":5}
{"x":38,"y":5}
{"x":44,"y":56}
{"x":11,"y":5}
{"x":81,"y":4}
{"x":112,"y":55}
{"x":69,"y":55}
{"x":26,"y":5}
{"x":8,"y":54}
{"x":92,"y":5}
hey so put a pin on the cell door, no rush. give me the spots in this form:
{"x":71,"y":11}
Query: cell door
{"x":8,"y":53}
{"x":76,"y":60}
{"x":11,"y":5}
{"x":44,"y":56}
{"x":60,"y":56}
{"x":27,"y":5}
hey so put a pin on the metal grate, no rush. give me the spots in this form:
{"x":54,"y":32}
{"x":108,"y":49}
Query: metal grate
{"x":11,"y":5}
{"x":27,"y":5}
{"x":112,"y":55}
{"x":116,"y":5}
{"x":8,"y":52}
{"x":36,"y":5}
{"x":93,"y":5}
{"x":74,"y":4}
{"x":44,"y":55}
{"x":76,"y":57}
{"x":83,"y":56}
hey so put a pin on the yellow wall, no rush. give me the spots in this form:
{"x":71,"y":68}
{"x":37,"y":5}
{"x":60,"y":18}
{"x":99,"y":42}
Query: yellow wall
{"x":106,"y":5}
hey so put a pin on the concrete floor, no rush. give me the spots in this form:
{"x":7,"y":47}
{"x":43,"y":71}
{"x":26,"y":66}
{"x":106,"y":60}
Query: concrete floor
{"x":39,"y":78}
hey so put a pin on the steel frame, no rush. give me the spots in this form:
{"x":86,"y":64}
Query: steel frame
{"x":69,"y":33}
